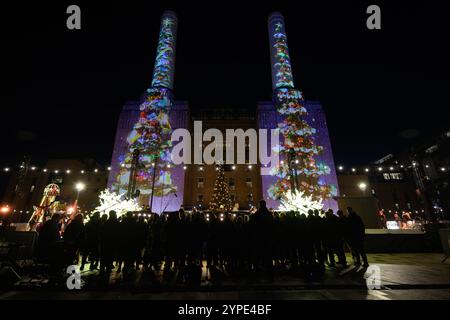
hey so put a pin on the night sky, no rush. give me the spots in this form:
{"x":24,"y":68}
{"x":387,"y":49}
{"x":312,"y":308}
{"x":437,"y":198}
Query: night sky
{"x":382,"y":90}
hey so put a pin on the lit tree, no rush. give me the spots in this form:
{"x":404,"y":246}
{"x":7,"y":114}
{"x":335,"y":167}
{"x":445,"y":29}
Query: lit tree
{"x":299,"y":170}
{"x":151,"y":135}
{"x":299,"y":202}
{"x":221,"y":200}
{"x":116,"y":202}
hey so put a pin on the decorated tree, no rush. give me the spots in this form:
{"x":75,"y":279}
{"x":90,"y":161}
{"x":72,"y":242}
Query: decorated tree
{"x":111,"y":201}
{"x":298,"y":171}
{"x":221,"y":200}
{"x":151,"y":134}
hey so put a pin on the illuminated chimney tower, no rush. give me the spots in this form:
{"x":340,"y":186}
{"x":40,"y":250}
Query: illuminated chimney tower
{"x":301,"y":172}
{"x":165,"y":53}
{"x":281,"y":63}
{"x":146,"y":169}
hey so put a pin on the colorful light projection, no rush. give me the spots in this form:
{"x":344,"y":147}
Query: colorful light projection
{"x":151,"y":134}
{"x":281,"y":63}
{"x":165,"y":57}
{"x":300,"y":169}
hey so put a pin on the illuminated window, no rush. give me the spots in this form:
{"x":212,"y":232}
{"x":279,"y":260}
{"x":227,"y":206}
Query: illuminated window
{"x":231,"y":184}
{"x":200,"y":183}
{"x":248,"y":182}
{"x":396,"y":176}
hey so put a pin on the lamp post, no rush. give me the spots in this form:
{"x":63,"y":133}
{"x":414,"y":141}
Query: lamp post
{"x":79,"y":186}
{"x":363,"y":187}
{"x":292,"y":171}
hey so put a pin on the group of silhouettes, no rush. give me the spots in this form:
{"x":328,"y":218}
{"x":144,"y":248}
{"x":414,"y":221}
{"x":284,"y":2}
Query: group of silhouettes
{"x":263,"y":240}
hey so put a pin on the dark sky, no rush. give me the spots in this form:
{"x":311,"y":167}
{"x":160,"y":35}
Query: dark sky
{"x":67,"y":87}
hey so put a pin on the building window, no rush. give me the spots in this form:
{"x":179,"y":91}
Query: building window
{"x":396,"y":176}
{"x":233,"y":198}
{"x":32,"y":188}
{"x":199,"y":198}
{"x":200,"y":183}
{"x":231,"y":184}
{"x":248,"y":182}
{"x":392,"y":176}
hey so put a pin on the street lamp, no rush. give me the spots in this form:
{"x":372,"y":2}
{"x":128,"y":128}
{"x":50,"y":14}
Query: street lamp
{"x":362,"y":186}
{"x":5,"y":209}
{"x":79,"y":186}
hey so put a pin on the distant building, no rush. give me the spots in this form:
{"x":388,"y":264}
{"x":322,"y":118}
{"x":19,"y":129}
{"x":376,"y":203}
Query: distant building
{"x":416,"y":180}
{"x":195,"y":183}
{"x":25,"y":190}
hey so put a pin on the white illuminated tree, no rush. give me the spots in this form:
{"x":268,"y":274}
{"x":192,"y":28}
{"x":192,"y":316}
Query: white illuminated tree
{"x":116,"y":202}
{"x":298,"y":201}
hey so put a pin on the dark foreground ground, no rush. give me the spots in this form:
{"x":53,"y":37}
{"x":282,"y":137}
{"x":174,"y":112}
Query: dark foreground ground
{"x":418,"y":276}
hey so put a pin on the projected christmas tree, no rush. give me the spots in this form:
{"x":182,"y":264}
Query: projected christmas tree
{"x":298,"y":171}
{"x":151,"y":134}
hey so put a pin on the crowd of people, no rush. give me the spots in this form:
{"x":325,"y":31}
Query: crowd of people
{"x":264,"y":240}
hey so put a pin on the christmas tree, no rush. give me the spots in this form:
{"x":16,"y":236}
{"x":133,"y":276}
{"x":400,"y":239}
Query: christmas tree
{"x":299,"y":170}
{"x":221,"y":200}
{"x":151,"y":134}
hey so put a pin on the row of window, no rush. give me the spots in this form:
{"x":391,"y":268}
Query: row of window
{"x":231,"y":183}
{"x":232,"y":196}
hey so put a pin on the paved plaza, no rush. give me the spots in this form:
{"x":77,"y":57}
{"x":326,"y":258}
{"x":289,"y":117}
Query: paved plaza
{"x":403,"y":276}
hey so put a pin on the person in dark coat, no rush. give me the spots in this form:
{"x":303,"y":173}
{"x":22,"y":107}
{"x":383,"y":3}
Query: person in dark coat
{"x":142,"y":231}
{"x":74,"y":237}
{"x":49,"y":243}
{"x":91,"y":249}
{"x":341,"y":224}
{"x":109,"y":240}
{"x":262,"y":226}
{"x":356,"y":233}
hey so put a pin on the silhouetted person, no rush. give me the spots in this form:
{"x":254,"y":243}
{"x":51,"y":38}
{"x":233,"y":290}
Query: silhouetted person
{"x":142,"y":230}
{"x":262,"y":224}
{"x":341,"y":224}
{"x":356,"y":232}
{"x":109,"y":240}
{"x":91,"y":249}
{"x":49,"y":243}
{"x":74,"y":237}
